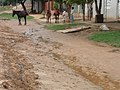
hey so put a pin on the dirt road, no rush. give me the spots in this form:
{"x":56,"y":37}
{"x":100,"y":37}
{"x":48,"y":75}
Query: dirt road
{"x":34,"y":58}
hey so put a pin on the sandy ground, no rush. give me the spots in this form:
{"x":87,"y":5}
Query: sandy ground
{"x":60,"y":61}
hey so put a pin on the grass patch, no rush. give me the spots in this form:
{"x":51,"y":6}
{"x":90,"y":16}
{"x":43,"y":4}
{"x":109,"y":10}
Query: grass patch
{"x":63,"y":26}
{"x":111,"y":38}
{"x":5,"y":8}
{"x":9,"y":16}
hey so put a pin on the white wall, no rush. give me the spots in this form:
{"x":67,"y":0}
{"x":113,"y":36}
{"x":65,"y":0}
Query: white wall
{"x":109,"y":9}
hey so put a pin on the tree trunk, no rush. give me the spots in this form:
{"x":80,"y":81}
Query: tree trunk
{"x":100,"y":6}
{"x":69,"y":10}
{"x":23,"y":5}
{"x":98,"y":10}
{"x":90,"y":11}
{"x":83,"y":8}
{"x":96,"y":7}
{"x":99,"y":17}
{"x":32,"y":3}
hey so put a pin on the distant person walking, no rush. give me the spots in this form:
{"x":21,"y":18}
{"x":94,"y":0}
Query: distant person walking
{"x":72,"y":15}
{"x":64,"y":16}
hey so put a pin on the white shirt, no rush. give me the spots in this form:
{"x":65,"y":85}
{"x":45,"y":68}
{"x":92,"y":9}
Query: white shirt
{"x":64,"y":13}
{"x":72,"y":12}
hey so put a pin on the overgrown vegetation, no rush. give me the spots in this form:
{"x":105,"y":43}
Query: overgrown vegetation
{"x":111,"y":38}
{"x":9,"y":16}
{"x":5,"y":8}
{"x":63,"y":26}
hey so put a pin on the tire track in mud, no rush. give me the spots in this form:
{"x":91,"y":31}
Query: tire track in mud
{"x":17,"y":70}
{"x":97,"y":78}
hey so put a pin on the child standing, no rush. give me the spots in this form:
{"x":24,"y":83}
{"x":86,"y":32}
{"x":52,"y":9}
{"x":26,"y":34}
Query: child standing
{"x":64,"y":16}
{"x":72,"y":15}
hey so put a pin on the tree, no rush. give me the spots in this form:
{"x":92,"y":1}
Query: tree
{"x":32,"y":3}
{"x":99,"y":16}
{"x":60,"y":3}
{"x":98,"y":10}
{"x":22,"y":2}
{"x":90,"y":9}
{"x":14,"y":2}
{"x":8,"y":2}
{"x":55,"y":5}
{"x":82,"y":2}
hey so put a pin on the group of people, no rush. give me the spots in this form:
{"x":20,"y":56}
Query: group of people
{"x":57,"y":14}
{"x":71,"y":15}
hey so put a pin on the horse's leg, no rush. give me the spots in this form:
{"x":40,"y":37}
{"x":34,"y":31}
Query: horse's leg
{"x":55,"y":19}
{"x":49,"y":18}
{"x":25,"y":20}
{"x":46,"y":19}
{"x":19,"y":20}
{"x":58,"y":18}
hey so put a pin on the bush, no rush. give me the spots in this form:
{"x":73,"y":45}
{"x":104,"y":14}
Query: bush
{"x":55,"y":6}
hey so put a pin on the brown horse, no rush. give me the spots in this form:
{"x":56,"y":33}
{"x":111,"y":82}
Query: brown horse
{"x":56,"y":14}
{"x":48,"y":16}
{"x":20,"y":14}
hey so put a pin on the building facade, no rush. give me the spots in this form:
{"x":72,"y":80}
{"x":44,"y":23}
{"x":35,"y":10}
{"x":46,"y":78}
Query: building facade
{"x":110,"y":9}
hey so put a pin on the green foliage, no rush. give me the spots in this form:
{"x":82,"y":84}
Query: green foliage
{"x":8,"y":2}
{"x":5,"y":8}
{"x":9,"y":16}
{"x":13,"y":2}
{"x":111,"y":38}
{"x":55,"y":6}
{"x":79,"y":1}
{"x":58,"y":1}
{"x":63,"y":26}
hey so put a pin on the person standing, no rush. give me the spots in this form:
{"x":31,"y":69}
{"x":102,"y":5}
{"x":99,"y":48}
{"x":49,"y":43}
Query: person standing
{"x":72,"y":15}
{"x":64,"y":16}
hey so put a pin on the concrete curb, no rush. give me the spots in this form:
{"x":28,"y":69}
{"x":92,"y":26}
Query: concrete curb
{"x":74,"y":29}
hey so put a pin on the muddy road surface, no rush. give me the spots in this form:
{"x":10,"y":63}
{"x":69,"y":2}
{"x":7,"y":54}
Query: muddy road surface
{"x":33,"y":58}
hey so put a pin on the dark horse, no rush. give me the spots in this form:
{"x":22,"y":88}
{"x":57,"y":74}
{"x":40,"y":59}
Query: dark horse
{"x":20,"y":14}
{"x":56,"y":14}
{"x":48,"y":16}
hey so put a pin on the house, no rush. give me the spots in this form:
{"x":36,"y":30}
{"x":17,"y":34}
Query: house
{"x":41,"y":5}
{"x":110,"y":9}
{"x":38,"y":6}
